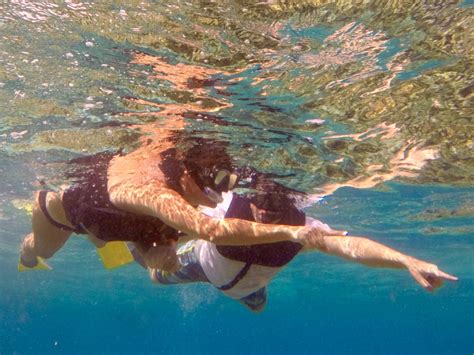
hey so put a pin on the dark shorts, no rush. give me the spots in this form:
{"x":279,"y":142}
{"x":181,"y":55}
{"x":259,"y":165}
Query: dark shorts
{"x":191,"y":271}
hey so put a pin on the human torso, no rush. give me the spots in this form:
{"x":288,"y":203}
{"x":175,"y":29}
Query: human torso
{"x":88,"y":204}
{"x":260,"y":263}
{"x":220,"y":271}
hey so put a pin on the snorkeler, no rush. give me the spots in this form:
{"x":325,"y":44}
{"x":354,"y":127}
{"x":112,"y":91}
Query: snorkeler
{"x":243,"y":272}
{"x":149,"y":197}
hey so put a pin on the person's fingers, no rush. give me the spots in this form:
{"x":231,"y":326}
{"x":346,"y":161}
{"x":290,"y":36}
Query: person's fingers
{"x":446,"y":276}
{"x":420,"y":279}
{"x":335,"y":233}
{"x":309,"y":237}
{"x":436,"y":282}
{"x":323,"y":228}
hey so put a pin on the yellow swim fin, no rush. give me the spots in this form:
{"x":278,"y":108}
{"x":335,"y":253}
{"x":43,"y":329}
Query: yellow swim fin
{"x":25,"y":205}
{"x":40,"y":266}
{"x":115,"y":254}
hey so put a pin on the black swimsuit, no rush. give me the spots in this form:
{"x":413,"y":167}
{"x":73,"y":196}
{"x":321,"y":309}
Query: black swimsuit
{"x":87,"y":205}
{"x":273,"y":254}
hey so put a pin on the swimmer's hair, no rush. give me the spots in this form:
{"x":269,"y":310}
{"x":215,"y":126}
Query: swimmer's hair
{"x":205,"y":158}
{"x":200,"y":157}
{"x":280,"y":202}
{"x":272,"y":201}
{"x":208,"y":154}
{"x":279,"y":206}
{"x":261,"y":182}
{"x":172,"y":168}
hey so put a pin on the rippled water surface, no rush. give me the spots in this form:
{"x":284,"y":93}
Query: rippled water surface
{"x":369,"y":104}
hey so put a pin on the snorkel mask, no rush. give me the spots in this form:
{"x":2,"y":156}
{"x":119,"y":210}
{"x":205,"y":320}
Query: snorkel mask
{"x":213,"y":182}
{"x":210,"y":166}
{"x":224,"y":181}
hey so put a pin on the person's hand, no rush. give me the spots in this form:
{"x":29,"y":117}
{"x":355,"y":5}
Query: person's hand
{"x":429,"y":276}
{"x":309,"y":237}
{"x":324,"y":228}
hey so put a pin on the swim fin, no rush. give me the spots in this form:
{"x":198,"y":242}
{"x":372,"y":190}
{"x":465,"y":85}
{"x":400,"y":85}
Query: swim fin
{"x":25,"y":205}
{"x":115,"y":254}
{"x":42,"y":265}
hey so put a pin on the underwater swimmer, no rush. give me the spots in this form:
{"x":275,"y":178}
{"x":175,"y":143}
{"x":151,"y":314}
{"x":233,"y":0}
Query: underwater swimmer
{"x":149,"y":197}
{"x":243,"y":273}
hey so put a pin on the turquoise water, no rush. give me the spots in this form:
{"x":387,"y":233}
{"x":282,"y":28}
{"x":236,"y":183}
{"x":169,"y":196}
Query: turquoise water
{"x":284,"y":81}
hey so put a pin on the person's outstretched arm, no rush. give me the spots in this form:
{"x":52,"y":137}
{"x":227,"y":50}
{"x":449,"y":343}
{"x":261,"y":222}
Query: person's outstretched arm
{"x":175,"y":211}
{"x":368,"y":252}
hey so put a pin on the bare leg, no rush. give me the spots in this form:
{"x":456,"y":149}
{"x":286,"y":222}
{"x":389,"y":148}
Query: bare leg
{"x":46,"y":238}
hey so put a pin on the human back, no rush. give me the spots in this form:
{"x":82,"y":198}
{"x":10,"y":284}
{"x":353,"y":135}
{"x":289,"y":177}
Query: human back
{"x":240,"y":271}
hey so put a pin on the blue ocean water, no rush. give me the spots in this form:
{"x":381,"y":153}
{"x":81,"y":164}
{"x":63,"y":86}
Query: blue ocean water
{"x":317,"y":305}
{"x":67,"y":70}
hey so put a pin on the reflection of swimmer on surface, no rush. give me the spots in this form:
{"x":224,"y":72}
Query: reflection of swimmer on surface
{"x":243,"y":272}
{"x":149,"y":196}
